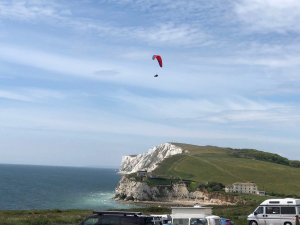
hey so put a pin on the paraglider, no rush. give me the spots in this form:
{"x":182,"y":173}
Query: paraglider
{"x":159,"y":60}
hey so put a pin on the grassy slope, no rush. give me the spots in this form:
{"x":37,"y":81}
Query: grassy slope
{"x":207,"y":163}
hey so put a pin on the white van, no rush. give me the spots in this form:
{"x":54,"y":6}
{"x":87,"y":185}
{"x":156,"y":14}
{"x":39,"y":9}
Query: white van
{"x":194,"y":216}
{"x":276,"y":212}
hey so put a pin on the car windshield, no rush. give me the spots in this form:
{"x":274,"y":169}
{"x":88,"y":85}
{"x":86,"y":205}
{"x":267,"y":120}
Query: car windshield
{"x":198,"y":221}
{"x":181,"y":221}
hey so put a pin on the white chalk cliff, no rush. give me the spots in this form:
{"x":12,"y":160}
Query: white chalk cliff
{"x":132,"y":189}
{"x":137,"y":191}
{"x":149,"y":160}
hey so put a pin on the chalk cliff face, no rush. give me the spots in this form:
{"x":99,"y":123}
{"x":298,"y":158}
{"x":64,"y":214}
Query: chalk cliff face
{"x":149,"y":160}
{"x":131,"y":190}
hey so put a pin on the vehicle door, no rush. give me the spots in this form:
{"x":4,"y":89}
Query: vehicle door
{"x":259,"y":215}
{"x":288,"y":214}
{"x":131,"y":221}
{"x":90,"y":221}
{"x":272,"y":215}
{"x":109,"y":220}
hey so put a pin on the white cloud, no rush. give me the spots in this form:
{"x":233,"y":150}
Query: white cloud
{"x":280,"y":117}
{"x":266,"y":16}
{"x":106,"y":72}
{"x":52,"y":62}
{"x":133,"y":73}
{"x":31,"y":94}
{"x":192,"y":107}
{"x":14,"y":96}
{"x":99,"y":122}
{"x":29,"y":9}
{"x":234,"y":110}
{"x":37,"y":93}
{"x":156,"y":33}
{"x":172,"y":35}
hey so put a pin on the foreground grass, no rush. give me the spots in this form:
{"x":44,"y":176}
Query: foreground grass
{"x":59,"y":217}
{"x":74,"y":217}
{"x":40,"y":217}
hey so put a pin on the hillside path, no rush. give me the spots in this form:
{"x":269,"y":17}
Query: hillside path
{"x":217,"y":167}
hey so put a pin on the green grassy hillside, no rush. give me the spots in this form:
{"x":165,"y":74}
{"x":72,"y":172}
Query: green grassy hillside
{"x":209,"y":163}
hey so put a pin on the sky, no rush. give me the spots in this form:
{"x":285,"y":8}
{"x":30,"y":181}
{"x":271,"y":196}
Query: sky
{"x":77,"y":85}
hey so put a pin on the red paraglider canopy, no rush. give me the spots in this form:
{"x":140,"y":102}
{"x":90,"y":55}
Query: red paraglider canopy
{"x":158,"y":59}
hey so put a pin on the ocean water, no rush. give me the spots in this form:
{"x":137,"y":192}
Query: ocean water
{"x":51,"y":187}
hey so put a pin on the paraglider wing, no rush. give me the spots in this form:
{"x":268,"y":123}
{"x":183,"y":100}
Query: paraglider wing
{"x":159,"y":60}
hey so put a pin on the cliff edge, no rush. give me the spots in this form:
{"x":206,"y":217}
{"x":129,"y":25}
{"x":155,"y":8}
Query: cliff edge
{"x":149,"y":160}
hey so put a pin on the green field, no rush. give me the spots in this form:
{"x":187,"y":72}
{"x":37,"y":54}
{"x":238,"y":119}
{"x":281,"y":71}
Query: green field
{"x":209,"y":163}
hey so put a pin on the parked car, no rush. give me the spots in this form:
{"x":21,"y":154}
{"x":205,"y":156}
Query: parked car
{"x":117,"y":218}
{"x":276,"y":212}
{"x":226,"y":221}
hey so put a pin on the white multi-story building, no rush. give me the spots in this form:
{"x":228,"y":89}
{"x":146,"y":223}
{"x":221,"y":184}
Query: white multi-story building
{"x":244,"y":188}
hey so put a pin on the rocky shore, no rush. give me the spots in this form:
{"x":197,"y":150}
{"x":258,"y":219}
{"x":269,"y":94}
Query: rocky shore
{"x":140,"y":193}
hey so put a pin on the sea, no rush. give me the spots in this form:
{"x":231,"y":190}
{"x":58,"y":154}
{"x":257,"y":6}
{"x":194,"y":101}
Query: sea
{"x":53,"y":187}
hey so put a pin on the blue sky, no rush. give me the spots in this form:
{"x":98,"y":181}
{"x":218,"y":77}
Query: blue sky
{"x":77,"y":85}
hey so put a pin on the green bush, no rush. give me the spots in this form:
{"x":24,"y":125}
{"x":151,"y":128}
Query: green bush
{"x":216,"y":188}
{"x":192,"y":186}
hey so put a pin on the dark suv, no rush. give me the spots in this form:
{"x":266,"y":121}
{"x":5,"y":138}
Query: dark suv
{"x":117,"y":218}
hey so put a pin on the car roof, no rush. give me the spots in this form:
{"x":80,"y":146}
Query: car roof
{"x":212,"y":217}
{"x":121,"y":214}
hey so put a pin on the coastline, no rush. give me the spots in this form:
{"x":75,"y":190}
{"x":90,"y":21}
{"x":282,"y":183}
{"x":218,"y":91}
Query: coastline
{"x":176,"y":203}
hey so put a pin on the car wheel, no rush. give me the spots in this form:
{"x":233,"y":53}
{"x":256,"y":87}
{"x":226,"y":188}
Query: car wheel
{"x":288,"y":223}
{"x":253,"y":223}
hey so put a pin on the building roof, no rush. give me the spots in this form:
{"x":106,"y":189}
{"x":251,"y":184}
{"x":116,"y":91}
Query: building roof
{"x":248,"y":183}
